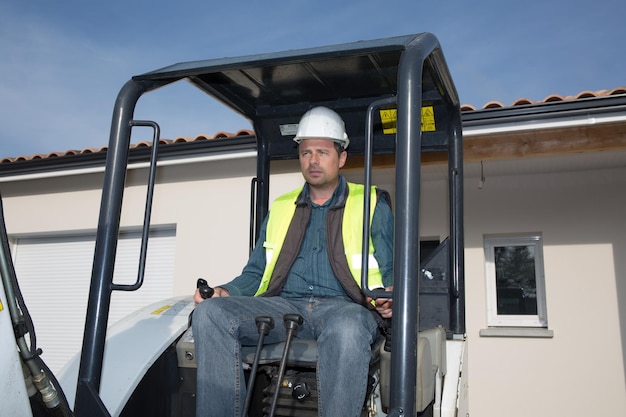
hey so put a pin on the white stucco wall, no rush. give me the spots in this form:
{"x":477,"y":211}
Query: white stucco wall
{"x":578,"y":372}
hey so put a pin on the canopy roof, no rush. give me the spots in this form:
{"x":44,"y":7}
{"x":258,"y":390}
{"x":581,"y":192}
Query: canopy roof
{"x":274,"y":90}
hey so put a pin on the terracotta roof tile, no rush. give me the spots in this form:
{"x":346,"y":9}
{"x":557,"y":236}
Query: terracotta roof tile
{"x":245,"y":132}
{"x":143,"y":144}
{"x":522,"y":102}
{"x":493,"y":105}
{"x":548,"y":99}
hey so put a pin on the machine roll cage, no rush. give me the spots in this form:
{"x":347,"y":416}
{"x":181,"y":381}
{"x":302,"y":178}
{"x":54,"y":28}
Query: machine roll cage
{"x":399,"y":76}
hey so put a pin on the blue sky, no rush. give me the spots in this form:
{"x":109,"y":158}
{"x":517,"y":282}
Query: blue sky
{"x":63,"y":62}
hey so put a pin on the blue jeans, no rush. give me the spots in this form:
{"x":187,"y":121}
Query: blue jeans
{"x":343,"y":329}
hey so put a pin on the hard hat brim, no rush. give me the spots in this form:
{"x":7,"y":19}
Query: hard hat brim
{"x":344,"y":143}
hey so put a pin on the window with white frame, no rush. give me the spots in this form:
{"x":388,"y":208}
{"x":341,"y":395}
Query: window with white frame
{"x":516,"y":295}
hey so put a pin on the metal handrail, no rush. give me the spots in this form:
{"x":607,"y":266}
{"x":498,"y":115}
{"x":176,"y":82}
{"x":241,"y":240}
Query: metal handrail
{"x":369,"y":138}
{"x":145,"y":233}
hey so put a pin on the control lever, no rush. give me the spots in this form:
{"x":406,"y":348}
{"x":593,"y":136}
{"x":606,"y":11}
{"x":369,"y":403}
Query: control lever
{"x":263,"y":324}
{"x":292,"y":322}
{"x":205,"y":290}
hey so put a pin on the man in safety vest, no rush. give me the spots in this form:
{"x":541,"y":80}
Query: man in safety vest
{"x":307,"y":261}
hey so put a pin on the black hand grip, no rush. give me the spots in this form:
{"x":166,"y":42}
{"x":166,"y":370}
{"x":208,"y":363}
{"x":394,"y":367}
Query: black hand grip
{"x":205,"y":290}
{"x":264,"y":324}
{"x":292,"y":321}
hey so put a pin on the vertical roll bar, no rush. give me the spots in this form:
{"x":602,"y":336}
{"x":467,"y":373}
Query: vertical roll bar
{"x":407,"y":267}
{"x":88,"y":401}
{"x":406,"y":240}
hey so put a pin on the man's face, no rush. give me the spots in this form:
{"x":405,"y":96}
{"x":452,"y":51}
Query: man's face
{"x":320,"y":162}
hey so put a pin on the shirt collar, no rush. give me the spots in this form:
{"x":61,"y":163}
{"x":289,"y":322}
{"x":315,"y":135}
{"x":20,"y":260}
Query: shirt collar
{"x":338,"y":198}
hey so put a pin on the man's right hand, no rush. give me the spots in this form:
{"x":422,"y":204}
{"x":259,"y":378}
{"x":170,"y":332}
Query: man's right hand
{"x":217,"y":292}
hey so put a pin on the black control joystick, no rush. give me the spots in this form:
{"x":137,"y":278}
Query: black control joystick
{"x":205,"y":290}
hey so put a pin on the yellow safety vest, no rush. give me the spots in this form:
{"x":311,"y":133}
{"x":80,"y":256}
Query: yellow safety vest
{"x":282,"y":213}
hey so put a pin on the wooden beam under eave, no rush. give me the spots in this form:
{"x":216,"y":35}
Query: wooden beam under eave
{"x":546,"y":142}
{"x":525,"y":144}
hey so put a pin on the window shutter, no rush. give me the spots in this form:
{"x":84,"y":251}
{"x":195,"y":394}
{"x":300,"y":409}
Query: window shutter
{"x":54,"y":273}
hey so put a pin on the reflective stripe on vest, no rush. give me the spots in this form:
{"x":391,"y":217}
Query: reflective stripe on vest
{"x":282,"y":213}
{"x":352,"y":233}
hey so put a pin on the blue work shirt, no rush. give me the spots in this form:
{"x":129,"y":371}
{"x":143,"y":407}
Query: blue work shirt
{"x":311,"y":274}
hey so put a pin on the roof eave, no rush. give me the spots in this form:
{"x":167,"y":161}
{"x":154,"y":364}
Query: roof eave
{"x":545,"y":115}
{"x":139,"y":157}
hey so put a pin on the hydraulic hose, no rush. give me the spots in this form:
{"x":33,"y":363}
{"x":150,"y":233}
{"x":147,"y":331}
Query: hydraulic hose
{"x":42,"y":378}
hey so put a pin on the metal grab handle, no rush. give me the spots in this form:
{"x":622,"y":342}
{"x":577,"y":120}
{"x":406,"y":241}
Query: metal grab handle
{"x":369,"y":134}
{"x":253,"y":187}
{"x":148,"y":208}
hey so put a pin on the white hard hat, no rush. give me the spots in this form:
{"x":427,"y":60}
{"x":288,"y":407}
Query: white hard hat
{"x":322,"y":123}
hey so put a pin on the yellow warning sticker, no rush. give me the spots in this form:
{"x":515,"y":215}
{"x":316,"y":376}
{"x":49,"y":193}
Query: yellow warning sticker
{"x":161,"y":309}
{"x":1,"y":307}
{"x":389,"y":117}
{"x":428,"y":119}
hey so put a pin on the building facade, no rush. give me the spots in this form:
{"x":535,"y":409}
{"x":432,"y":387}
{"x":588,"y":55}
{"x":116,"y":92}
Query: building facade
{"x":545,"y":244}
